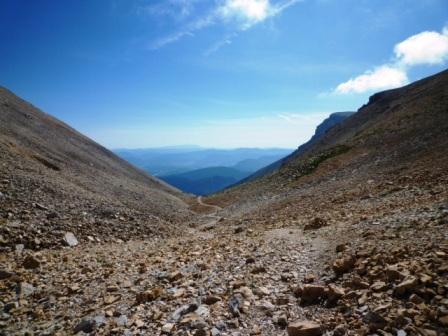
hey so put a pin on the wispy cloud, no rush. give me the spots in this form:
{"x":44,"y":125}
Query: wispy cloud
{"x":428,"y":47}
{"x":236,"y":15}
{"x":219,"y":44}
{"x":177,"y":9}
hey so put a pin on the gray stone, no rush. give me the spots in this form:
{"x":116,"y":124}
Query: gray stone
{"x":235,"y":304}
{"x":215,"y":332}
{"x":100,"y":320}
{"x":122,"y":320}
{"x":25,"y":289}
{"x":70,"y":239}
{"x":203,"y":311}
{"x":185,"y":309}
{"x":86,"y":326}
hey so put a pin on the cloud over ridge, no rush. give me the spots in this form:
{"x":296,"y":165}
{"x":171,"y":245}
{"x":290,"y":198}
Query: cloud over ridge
{"x":425,"y":48}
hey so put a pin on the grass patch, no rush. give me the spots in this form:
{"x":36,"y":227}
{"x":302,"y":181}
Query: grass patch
{"x":310,"y":165}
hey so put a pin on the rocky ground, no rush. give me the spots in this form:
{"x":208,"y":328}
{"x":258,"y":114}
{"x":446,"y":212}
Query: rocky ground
{"x":377,"y":266}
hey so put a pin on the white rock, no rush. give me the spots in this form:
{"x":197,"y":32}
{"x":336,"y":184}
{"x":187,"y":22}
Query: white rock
{"x":70,"y":239}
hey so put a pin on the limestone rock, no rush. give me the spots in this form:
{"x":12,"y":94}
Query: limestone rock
{"x":70,"y":239}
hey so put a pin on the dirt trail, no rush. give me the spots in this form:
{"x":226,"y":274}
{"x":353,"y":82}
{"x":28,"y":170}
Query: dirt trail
{"x":207,"y":221}
{"x":201,"y":202}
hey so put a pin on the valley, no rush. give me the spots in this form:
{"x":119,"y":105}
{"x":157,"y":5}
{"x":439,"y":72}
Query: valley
{"x":345,"y":236}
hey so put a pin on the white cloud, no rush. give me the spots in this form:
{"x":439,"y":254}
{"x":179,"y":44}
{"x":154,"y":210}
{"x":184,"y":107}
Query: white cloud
{"x":249,"y":12}
{"x":383,"y":77}
{"x":428,"y":47}
{"x":238,"y":15}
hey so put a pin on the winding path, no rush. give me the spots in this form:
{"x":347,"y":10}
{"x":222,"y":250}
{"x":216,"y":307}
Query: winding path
{"x":215,"y":207}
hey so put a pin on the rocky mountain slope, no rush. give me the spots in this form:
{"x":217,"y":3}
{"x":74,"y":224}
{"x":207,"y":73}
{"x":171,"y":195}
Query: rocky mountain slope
{"x":53,"y":180}
{"x":395,"y":131}
{"x":347,"y":238}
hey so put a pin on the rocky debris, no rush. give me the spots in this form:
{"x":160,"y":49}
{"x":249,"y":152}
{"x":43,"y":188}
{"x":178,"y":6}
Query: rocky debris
{"x":30,"y":262}
{"x":70,"y":239}
{"x":87,"y":326}
{"x":238,"y":229}
{"x":334,"y":293}
{"x":25,"y":289}
{"x":235,"y":304}
{"x":406,"y":286}
{"x":343,"y":265}
{"x":304,"y":328}
{"x":315,"y":223}
{"x":341,"y":247}
{"x":149,"y":295}
{"x":168,"y":327}
{"x":309,"y":278}
{"x":255,"y":283}
{"x":375,"y":321}
{"x":185,"y":309}
{"x":312,"y":294}
{"x":5,"y":274}
{"x":210,"y":300}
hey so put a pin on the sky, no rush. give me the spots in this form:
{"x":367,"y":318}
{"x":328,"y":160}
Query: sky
{"x":215,"y":73}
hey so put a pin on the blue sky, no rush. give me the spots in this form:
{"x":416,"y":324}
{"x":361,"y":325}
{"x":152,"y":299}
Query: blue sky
{"x":216,"y":73}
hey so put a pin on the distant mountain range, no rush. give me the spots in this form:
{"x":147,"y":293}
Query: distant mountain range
{"x":179,"y":159}
{"x":202,"y":171}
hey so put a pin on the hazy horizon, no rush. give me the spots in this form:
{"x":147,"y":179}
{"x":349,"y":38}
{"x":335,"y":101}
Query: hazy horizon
{"x":198,"y":147}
